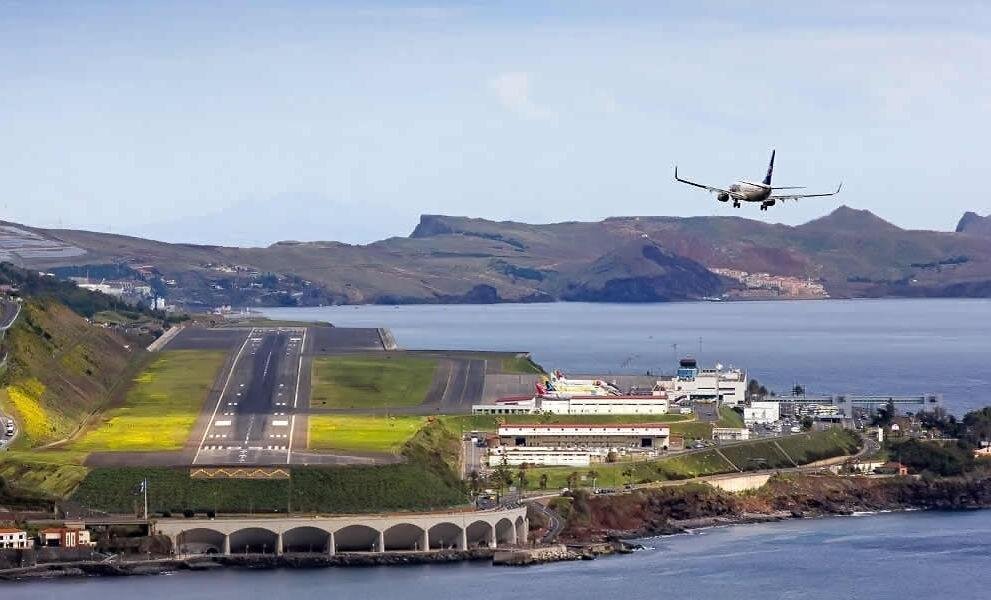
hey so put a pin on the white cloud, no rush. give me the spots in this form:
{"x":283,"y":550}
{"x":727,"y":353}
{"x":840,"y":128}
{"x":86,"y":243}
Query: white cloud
{"x":513,"y":91}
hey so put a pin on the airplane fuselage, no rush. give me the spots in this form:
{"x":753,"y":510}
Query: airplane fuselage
{"x":749,"y":192}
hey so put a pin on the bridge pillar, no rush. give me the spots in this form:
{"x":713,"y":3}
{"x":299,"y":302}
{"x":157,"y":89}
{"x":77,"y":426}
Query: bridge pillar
{"x":512,"y":535}
{"x":227,"y":545}
{"x":463,"y":539}
{"x":278,"y":544}
{"x":380,"y":545}
{"x":492,"y":537}
{"x":521,"y":531}
{"x":425,"y":540}
{"x":331,"y":545}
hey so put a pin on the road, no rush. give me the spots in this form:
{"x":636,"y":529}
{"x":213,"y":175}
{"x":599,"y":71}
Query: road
{"x":9,"y":310}
{"x":253,"y":421}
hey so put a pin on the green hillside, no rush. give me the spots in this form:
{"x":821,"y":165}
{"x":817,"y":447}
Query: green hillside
{"x":60,"y":370}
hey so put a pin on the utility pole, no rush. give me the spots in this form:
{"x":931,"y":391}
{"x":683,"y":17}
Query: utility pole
{"x":144,"y":487}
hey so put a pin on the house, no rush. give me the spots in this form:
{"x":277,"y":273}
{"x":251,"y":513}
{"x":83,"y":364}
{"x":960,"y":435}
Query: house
{"x":730,"y":434}
{"x":894,"y":467}
{"x":64,"y":537}
{"x":14,"y":538}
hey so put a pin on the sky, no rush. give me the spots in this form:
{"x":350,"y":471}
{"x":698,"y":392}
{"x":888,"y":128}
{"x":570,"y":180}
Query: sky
{"x":251,"y":122}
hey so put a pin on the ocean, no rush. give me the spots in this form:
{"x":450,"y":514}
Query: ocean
{"x":832,"y":347}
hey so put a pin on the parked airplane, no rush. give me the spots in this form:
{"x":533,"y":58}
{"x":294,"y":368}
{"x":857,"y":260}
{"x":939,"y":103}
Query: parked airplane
{"x":748,"y":191}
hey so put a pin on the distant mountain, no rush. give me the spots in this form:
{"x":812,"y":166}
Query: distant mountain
{"x":974,"y":224}
{"x":853,"y":253}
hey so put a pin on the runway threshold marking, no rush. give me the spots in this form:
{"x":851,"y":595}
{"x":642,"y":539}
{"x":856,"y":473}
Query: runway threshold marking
{"x":223,"y":392}
{"x":295,"y":399}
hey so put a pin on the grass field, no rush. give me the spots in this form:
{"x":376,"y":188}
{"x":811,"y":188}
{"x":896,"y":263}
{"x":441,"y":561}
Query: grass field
{"x":370,"y":381}
{"x":520,"y":364}
{"x":804,"y":448}
{"x":160,"y":408}
{"x":51,"y":474}
{"x":361,"y":433}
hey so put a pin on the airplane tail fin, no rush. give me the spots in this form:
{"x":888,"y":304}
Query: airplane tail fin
{"x":770,"y":170}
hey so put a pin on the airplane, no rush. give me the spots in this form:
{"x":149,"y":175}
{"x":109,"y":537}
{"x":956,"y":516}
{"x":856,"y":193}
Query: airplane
{"x":748,"y":191}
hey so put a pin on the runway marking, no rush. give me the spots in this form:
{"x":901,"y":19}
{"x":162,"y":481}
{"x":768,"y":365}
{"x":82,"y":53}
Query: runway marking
{"x":221,"y":423}
{"x":223,"y":392}
{"x":281,"y":423}
{"x":295,"y":401}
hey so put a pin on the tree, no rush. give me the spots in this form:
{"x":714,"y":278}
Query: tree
{"x":502,"y":475}
{"x":573,"y":479}
{"x":543,"y":481}
{"x":753,"y":388}
{"x":474,"y":482}
{"x":628,"y":473}
{"x":797,"y":390}
{"x":593,"y":475}
{"x":521,"y":477}
{"x":885,"y":415}
{"x":807,"y":423}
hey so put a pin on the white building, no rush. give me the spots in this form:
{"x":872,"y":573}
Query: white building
{"x":730,"y":434}
{"x":694,"y":384}
{"x":518,"y":455}
{"x":577,"y":405}
{"x":14,"y":538}
{"x":760,"y":413}
{"x":641,"y":437}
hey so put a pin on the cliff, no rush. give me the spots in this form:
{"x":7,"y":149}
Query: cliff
{"x":675,"y":509}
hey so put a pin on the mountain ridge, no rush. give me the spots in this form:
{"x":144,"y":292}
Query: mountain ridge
{"x":452,"y":259}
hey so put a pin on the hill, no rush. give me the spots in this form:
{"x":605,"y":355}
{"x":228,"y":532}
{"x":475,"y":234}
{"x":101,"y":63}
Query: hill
{"x":852,"y":253}
{"x":974,"y":224}
{"x":60,"y":369}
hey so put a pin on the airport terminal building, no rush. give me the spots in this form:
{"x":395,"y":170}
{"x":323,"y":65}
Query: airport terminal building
{"x":643,"y":437}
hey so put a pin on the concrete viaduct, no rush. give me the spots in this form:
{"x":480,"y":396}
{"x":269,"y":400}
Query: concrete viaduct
{"x":352,"y":533}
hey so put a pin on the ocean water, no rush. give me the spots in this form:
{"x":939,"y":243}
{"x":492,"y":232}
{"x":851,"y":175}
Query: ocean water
{"x":890,"y":556}
{"x":839,"y":347}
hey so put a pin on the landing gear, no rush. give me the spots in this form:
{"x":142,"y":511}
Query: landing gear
{"x":736,"y":204}
{"x":763,"y":207}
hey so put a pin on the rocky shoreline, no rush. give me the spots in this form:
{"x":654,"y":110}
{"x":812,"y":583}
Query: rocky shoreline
{"x":668,"y":511}
{"x":605,"y":525}
{"x":249,"y":561}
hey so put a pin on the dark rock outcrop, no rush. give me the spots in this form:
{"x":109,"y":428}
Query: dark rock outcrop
{"x":974,"y":224}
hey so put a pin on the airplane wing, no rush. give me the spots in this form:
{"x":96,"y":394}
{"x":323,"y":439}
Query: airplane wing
{"x":800,"y":196}
{"x":714,"y":190}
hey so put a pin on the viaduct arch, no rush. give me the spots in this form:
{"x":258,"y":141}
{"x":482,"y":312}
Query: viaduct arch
{"x":418,"y":532}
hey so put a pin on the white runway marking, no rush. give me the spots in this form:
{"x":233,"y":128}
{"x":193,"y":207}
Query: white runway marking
{"x":223,"y":392}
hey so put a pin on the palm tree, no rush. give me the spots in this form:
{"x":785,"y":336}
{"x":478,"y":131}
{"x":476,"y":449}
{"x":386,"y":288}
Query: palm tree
{"x":521,"y":477}
{"x":543,"y":481}
{"x":573,"y":479}
{"x":593,"y":475}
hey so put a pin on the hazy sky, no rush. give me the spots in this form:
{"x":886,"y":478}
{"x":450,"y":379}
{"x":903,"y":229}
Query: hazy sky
{"x":251,"y":121}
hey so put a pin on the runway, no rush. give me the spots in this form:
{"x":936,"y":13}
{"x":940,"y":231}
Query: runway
{"x":253,"y":421}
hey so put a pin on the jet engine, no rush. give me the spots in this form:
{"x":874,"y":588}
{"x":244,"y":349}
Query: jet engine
{"x":723,"y":197}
